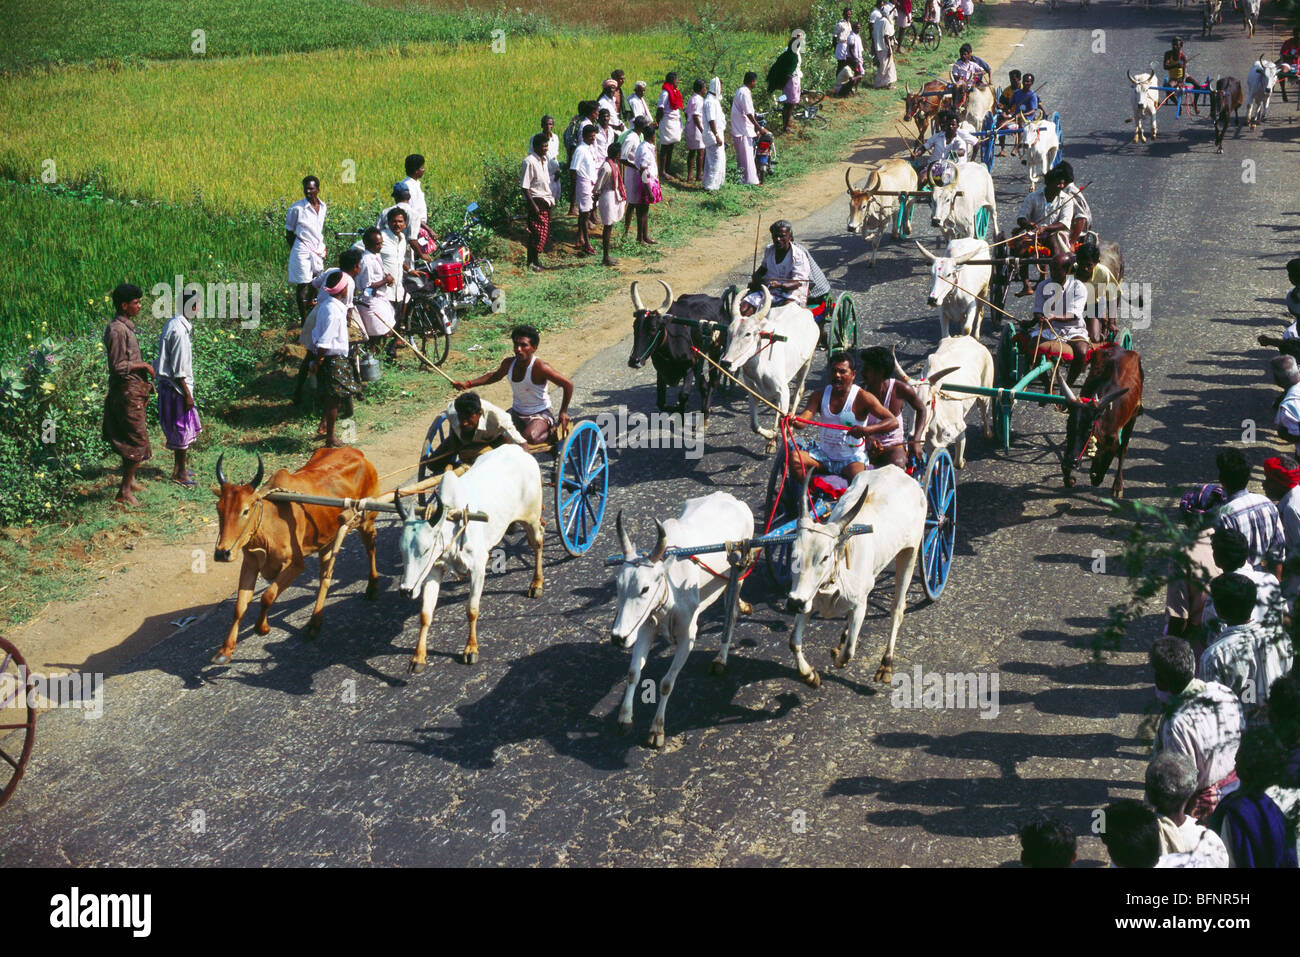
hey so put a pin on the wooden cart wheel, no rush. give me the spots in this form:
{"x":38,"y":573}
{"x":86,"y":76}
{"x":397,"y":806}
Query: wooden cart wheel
{"x":581,"y":487}
{"x":438,"y":433}
{"x":1126,"y":339}
{"x":940,"y":523}
{"x":17,"y":719}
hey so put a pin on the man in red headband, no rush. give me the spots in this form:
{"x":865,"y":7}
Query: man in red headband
{"x":1282,"y":486}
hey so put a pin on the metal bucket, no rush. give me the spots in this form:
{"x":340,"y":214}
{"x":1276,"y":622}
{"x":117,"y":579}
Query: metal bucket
{"x":370,"y":370}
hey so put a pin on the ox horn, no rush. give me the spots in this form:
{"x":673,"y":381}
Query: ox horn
{"x":736,"y":296}
{"x":257,"y":479}
{"x":221,"y":475}
{"x":853,"y":512}
{"x":962,"y":260}
{"x":636,"y":298}
{"x":1111,"y":397}
{"x":1130,"y":77}
{"x":402,"y":511}
{"x":668,"y":296}
{"x":767,"y":305}
{"x":934,"y":379}
{"x":928,"y":255}
{"x":898,"y":369}
{"x":624,"y":540}
{"x":1068,"y":392}
{"x":848,"y":182}
{"x":907,"y":90}
{"x":803,"y":493}
{"x":661,"y":545}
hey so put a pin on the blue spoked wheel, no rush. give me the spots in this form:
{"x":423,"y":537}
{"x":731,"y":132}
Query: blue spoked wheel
{"x":581,"y":487}
{"x":438,"y":433}
{"x":1060,"y":142}
{"x":940,"y":523}
{"x":987,"y":151}
{"x":982,"y":223}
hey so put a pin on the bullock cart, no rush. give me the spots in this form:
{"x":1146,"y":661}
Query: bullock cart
{"x":991,"y":131}
{"x":17,"y":719}
{"x":938,"y":480}
{"x":1015,"y":375}
{"x":1179,"y":93}
{"x":580,"y":478}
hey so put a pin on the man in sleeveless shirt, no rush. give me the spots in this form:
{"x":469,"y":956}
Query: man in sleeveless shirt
{"x":890,"y":446}
{"x":840,"y":451}
{"x":531,"y":412}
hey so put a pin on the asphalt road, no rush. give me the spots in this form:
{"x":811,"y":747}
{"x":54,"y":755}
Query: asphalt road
{"x":327,"y":753}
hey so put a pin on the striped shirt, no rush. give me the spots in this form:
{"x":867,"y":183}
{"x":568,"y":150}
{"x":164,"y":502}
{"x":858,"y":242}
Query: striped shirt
{"x":1255,"y":517}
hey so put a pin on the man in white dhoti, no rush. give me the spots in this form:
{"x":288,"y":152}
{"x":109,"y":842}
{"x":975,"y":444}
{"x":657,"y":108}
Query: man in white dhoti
{"x":609,"y":100}
{"x":882,"y":32}
{"x":304,"y":231}
{"x":372,"y":282}
{"x":715,"y":153}
{"x":744,"y":127}
{"x":693,"y":137}
{"x":586,"y":163}
{"x":669,"y":117}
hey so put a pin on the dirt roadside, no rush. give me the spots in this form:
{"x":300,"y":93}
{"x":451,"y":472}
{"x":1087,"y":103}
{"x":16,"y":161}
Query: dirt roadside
{"x":165,"y":587}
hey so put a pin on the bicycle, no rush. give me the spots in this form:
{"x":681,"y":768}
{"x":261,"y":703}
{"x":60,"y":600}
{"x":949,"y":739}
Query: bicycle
{"x":927,"y":36}
{"x":808,"y":110}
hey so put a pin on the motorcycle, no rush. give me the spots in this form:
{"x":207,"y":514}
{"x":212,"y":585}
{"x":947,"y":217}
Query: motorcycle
{"x":451,"y":281}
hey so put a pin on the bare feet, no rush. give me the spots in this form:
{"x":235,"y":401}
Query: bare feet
{"x":126,"y":498}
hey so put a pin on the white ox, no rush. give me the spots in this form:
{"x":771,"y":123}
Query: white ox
{"x":769,"y":365}
{"x":979,"y":104}
{"x":1146,"y":101}
{"x":1041,"y":146}
{"x":666,"y":596}
{"x":959,"y":360}
{"x":953,"y":207}
{"x":869,"y":211}
{"x":1259,"y":90}
{"x":506,"y":483}
{"x":834,"y":572}
{"x":955,"y":282}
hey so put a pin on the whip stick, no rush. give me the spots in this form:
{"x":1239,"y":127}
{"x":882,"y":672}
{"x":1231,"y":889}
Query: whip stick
{"x":757,"y":225}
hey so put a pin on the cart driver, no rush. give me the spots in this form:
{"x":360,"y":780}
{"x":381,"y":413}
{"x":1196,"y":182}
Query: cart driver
{"x":949,"y":144}
{"x":839,"y":451}
{"x":1060,"y":307}
{"x":531,"y":411}
{"x":789,"y":272}
{"x":1056,"y":214}
{"x":474,"y":423}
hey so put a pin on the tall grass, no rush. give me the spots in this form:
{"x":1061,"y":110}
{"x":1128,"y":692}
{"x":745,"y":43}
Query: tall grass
{"x":54,"y":32}
{"x":240,"y":135}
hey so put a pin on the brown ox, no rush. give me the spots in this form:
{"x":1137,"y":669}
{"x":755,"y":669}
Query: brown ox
{"x":277,"y":537}
{"x":872,"y":211}
{"x":925,"y":104}
{"x":1109,"y":406}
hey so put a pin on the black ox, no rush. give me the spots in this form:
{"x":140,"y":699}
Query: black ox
{"x":1225,"y":98}
{"x":670,"y":345}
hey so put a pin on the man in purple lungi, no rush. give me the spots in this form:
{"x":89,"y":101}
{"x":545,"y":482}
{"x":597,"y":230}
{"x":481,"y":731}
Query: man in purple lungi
{"x":176,"y":412}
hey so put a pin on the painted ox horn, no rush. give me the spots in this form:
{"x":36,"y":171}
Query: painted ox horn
{"x":668,"y":296}
{"x":928,"y":255}
{"x":661,"y":544}
{"x":636,"y":298}
{"x":624,"y":540}
{"x":402,"y":511}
